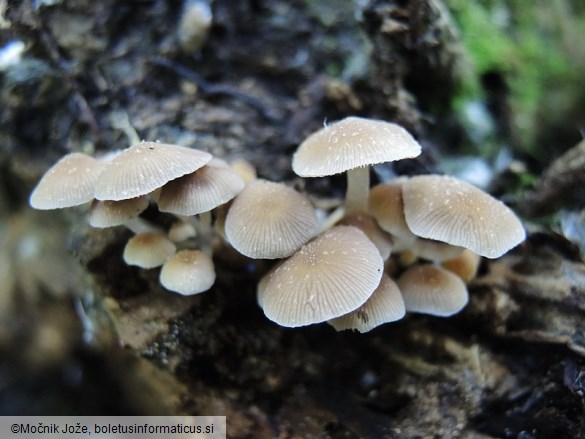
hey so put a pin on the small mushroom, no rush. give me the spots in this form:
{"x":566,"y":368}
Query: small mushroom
{"x":352,"y":145}
{"x":148,"y":250}
{"x":465,"y":265}
{"x":367,"y":224}
{"x":70,"y":182}
{"x":429,"y":289}
{"x":384,"y":306}
{"x":328,"y":277}
{"x":144,"y":167}
{"x":245,"y":170}
{"x":116,"y":213}
{"x":269,"y":221}
{"x":446,"y":209}
{"x":203,"y":190}
{"x":188,"y":272}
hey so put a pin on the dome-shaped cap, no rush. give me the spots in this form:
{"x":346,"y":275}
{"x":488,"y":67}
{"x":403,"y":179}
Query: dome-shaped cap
{"x":352,"y":143}
{"x":144,"y":167}
{"x":70,"y":182}
{"x":148,"y":250}
{"x":367,"y":224}
{"x":269,"y":220}
{"x":188,"y":272}
{"x":116,"y":213}
{"x":384,"y":306}
{"x":201,"y":191}
{"x":429,"y":289}
{"x":328,"y":277}
{"x":450,"y":210}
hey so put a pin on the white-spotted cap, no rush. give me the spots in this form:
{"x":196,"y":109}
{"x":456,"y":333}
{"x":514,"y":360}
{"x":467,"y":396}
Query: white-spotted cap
{"x":148,"y":250}
{"x":429,"y":289}
{"x":384,"y":306}
{"x":69,"y":182}
{"x":203,"y":190}
{"x":330,"y":276}
{"x":446,"y":209}
{"x":386,"y":206}
{"x":269,"y":220}
{"x":188,"y":272}
{"x":144,"y":167}
{"x":465,"y":265}
{"x":351,"y":143}
{"x":367,"y":224}
{"x":116,"y":213}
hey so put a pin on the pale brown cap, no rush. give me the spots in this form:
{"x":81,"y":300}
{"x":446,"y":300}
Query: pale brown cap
{"x":245,"y":170}
{"x":148,"y":250}
{"x":116,"y":213}
{"x":203,"y":190}
{"x":188,"y":272}
{"x":181,"y":231}
{"x":144,"y":167}
{"x":352,"y":143}
{"x":386,"y":206}
{"x":453,"y":211}
{"x":465,"y":265}
{"x":384,"y":306}
{"x":429,"y":289}
{"x":70,"y":182}
{"x":367,"y":224}
{"x":327,"y":278}
{"x":269,"y":220}
{"x":436,"y":251}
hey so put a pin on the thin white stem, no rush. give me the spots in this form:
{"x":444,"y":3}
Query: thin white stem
{"x":358,"y":185}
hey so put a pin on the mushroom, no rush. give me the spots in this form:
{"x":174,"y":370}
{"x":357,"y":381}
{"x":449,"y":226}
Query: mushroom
{"x":245,"y":170}
{"x":201,"y":191}
{"x":144,"y":167}
{"x":269,"y":220}
{"x":148,"y":250}
{"x":446,"y":209}
{"x":429,"y":289}
{"x":116,"y":213}
{"x":384,"y":306}
{"x":352,"y":145}
{"x":70,"y":182}
{"x":328,"y":277}
{"x":465,"y":265}
{"x":188,"y":272}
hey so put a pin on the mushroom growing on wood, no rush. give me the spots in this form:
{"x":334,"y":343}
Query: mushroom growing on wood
{"x":70,"y":182}
{"x":188,"y":272}
{"x":384,"y":306}
{"x":328,"y":277}
{"x":148,"y":250}
{"x":446,"y":209}
{"x":352,"y":145}
{"x":269,"y":221}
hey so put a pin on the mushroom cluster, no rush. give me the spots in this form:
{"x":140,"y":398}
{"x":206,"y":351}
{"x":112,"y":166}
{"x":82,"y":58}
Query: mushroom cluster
{"x":406,"y":245}
{"x":183,"y":182}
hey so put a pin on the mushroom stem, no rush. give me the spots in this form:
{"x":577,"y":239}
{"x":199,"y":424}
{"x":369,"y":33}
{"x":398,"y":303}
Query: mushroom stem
{"x":358,"y":184}
{"x":140,"y":225}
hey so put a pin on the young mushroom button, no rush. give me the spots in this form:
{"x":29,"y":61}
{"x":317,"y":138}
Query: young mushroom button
{"x":70,"y":182}
{"x":352,"y":145}
{"x":450,"y":210}
{"x":148,"y":250}
{"x":330,"y":276}
{"x":188,"y":272}
{"x":269,"y":221}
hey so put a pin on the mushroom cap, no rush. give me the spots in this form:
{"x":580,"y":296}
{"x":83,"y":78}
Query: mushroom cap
{"x":436,"y":251}
{"x":201,"y":191}
{"x":465,"y":265}
{"x":330,"y":276}
{"x":384,"y":306}
{"x":144,"y":167}
{"x":352,"y":143}
{"x":386,"y":206}
{"x":367,"y":224}
{"x":148,"y":250}
{"x":115,"y":213}
{"x":429,"y":289}
{"x":181,"y":231}
{"x":450,"y":210}
{"x":245,"y":170}
{"x":69,"y":182}
{"x":188,"y":272}
{"x":269,"y":220}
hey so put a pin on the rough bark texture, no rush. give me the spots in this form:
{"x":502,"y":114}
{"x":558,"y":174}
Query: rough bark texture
{"x":94,"y":336}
